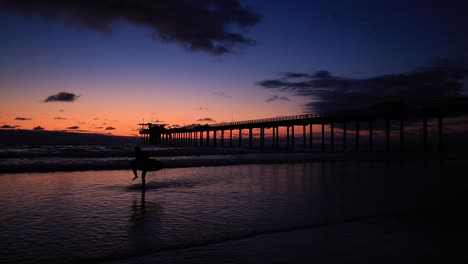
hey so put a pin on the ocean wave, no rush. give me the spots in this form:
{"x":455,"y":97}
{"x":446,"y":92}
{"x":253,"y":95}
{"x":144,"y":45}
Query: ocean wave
{"x":52,"y":164}
{"x":112,"y":151}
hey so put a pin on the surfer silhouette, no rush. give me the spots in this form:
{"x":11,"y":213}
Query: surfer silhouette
{"x":144,"y":163}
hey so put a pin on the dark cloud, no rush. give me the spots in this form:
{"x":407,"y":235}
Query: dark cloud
{"x":22,"y":118}
{"x":110,"y":128}
{"x":294,"y":75}
{"x":73,"y":127}
{"x":8,"y":127}
{"x":328,"y":92}
{"x":60,"y":118}
{"x":206,"y":119}
{"x":62,"y":97}
{"x":190,"y":126}
{"x":277,"y":98}
{"x":203,"y":25}
{"x":38,"y":128}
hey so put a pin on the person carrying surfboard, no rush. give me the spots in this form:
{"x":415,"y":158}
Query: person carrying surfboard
{"x":144,"y":163}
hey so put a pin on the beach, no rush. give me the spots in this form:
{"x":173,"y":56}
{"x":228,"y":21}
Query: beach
{"x":331,"y":211}
{"x":264,"y":131}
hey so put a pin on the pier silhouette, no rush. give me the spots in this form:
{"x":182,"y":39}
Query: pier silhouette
{"x":389,"y":112}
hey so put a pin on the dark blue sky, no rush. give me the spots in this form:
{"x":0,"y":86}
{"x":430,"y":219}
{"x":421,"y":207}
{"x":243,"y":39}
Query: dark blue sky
{"x":40,"y":57}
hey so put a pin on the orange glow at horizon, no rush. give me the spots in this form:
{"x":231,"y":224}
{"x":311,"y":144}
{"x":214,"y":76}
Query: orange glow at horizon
{"x":94,"y":111}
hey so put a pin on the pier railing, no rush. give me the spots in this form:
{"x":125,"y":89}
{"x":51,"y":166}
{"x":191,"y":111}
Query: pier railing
{"x":269,"y":120}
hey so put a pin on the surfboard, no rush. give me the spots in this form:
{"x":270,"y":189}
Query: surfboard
{"x":148,"y":165}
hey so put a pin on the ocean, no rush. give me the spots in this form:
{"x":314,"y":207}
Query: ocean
{"x":78,"y":204}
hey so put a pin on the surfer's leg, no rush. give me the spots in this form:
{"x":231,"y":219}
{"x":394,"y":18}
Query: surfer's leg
{"x":143,"y":178}
{"x":134,"y":169}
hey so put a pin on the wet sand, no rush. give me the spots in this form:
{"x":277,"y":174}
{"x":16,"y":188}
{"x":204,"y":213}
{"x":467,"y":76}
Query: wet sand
{"x":405,"y":238}
{"x":329,"y":212}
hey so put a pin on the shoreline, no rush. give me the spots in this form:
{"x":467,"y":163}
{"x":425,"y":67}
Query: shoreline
{"x":45,"y":165}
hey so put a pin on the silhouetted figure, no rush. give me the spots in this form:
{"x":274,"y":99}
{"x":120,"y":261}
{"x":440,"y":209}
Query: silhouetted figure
{"x":144,"y":163}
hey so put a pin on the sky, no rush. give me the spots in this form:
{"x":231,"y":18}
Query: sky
{"x":103,"y":67}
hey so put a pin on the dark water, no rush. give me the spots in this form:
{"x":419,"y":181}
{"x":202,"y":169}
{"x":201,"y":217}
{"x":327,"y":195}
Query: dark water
{"x":99,"y":216}
{"x":52,"y":158}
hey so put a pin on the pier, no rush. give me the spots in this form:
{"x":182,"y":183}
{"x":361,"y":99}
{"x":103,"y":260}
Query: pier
{"x":363,"y":120}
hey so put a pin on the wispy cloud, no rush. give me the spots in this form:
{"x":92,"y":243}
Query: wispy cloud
{"x":73,"y":128}
{"x":110,"y":128}
{"x":60,"y":118}
{"x":277,"y":98}
{"x":197,"y":25}
{"x":22,"y":118}
{"x":158,"y":121}
{"x":206,"y":119}
{"x":61,"y":97}
{"x":8,"y":127}
{"x":220,"y":94}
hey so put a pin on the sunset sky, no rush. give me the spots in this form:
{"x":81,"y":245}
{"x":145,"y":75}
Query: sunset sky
{"x":106,"y":67}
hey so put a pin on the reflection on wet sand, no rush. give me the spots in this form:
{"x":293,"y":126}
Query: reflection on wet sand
{"x":144,"y":222}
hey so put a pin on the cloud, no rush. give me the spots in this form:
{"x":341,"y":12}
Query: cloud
{"x":8,"y":127}
{"x":203,"y":108}
{"x":22,"y":118}
{"x":205,"y":25}
{"x":98,"y":127}
{"x":277,"y":98}
{"x":62,"y":97}
{"x":60,"y":118}
{"x":110,"y":128}
{"x":294,"y":75}
{"x":73,"y":127}
{"x":61,"y":110}
{"x":152,"y":121}
{"x":38,"y":128}
{"x":220,"y":94}
{"x":206,"y":119}
{"x":328,"y":92}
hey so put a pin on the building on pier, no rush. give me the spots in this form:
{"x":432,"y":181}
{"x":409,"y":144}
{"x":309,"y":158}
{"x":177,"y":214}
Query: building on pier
{"x":151,"y":133}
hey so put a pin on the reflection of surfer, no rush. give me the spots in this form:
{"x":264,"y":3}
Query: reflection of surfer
{"x":144,"y":163}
